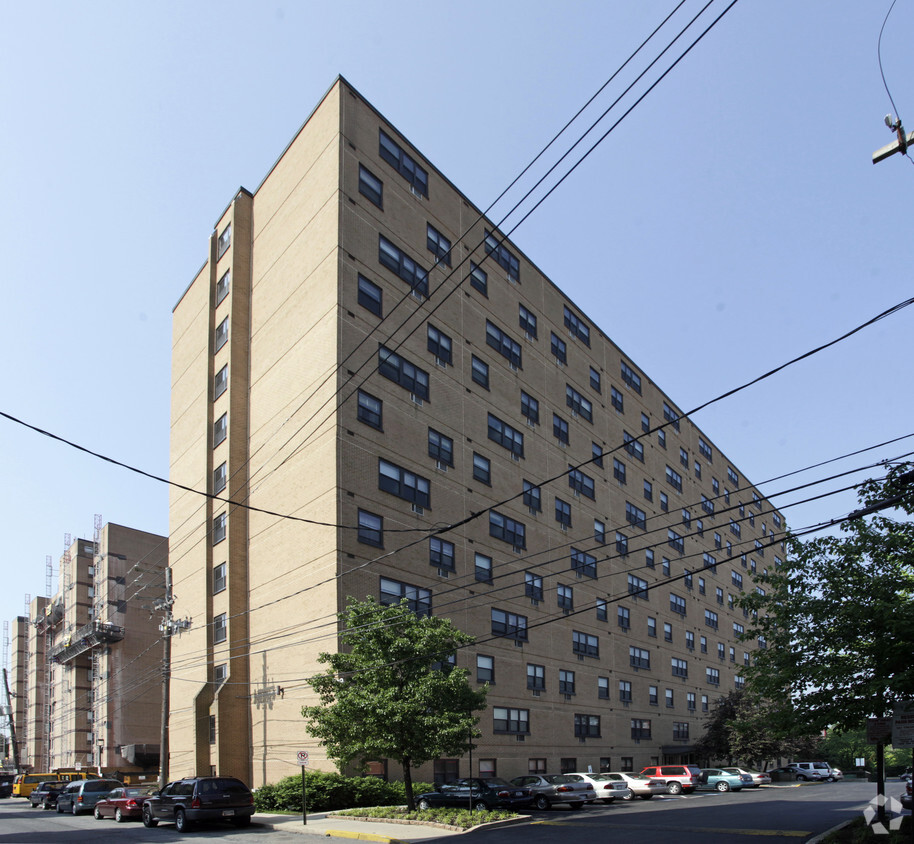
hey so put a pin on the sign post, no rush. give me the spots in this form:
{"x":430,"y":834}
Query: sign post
{"x":302,"y":759}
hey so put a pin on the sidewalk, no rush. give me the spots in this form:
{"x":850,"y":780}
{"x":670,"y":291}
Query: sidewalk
{"x":326,"y":824}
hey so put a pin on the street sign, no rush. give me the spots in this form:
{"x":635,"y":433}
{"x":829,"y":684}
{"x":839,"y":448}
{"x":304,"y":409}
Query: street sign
{"x":903,"y":725}
{"x":302,"y":758}
{"x":878,"y":730}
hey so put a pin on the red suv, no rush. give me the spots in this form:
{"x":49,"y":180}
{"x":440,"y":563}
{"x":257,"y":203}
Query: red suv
{"x":676,"y":778}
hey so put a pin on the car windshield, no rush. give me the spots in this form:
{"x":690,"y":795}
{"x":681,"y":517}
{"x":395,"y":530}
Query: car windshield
{"x":495,"y":782}
{"x":138,"y":791}
{"x":557,"y":779}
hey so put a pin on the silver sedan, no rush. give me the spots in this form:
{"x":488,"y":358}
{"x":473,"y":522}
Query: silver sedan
{"x":556,"y":788}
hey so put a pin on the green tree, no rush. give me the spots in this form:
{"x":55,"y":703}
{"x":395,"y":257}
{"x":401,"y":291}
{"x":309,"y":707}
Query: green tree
{"x":838,"y":616}
{"x":392,"y":691}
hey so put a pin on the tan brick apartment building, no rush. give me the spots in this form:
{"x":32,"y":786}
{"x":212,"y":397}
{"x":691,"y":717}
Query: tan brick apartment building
{"x":87,"y":664}
{"x":322,"y":373}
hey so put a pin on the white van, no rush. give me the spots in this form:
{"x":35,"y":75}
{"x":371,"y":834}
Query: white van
{"x":814,"y":771}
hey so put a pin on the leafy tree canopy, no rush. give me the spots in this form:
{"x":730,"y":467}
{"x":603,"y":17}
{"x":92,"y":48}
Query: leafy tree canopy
{"x":391,"y":692}
{"x":838,"y":616}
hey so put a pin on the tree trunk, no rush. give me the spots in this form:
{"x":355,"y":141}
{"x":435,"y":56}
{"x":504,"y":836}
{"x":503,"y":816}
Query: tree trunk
{"x":408,"y":786}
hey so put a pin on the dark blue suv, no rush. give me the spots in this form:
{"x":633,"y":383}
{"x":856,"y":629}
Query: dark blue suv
{"x":187,"y":801}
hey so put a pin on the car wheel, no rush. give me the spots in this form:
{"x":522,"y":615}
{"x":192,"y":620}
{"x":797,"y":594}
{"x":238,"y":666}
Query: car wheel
{"x":243,"y":820}
{"x":73,"y":808}
{"x":723,"y":786}
{"x":801,"y":778}
{"x":46,"y":805}
{"x":631,"y":796}
{"x":118,"y":816}
{"x":643,"y":797}
{"x":674,"y":788}
{"x":148,"y":819}
{"x":423,"y":805}
{"x":97,"y":813}
{"x":829,"y":779}
{"x":541,"y":802}
{"x":480,"y":806}
{"x":181,"y":822}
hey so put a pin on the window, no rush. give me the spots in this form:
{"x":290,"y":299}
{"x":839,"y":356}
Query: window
{"x":712,"y":676}
{"x":586,"y":726}
{"x":596,"y":452}
{"x":675,"y":541}
{"x":664,"y":502}
{"x":219,"y":578}
{"x":707,"y":505}
{"x":623,"y":618}
{"x":225,"y":240}
{"x":559,"y":428}
{"x":668,"y":695}
{"x":711,"y":619}
{"x":686,"y":517}
{"x":687,"y":579}
{"x":736,"y":579}
{"x":509,"y":720}
{"x":690,"y":640}
{"x":652,"y":627}
{"x":439,"y":344}
{"x":533,"y":586}
{"x":681,"y":729}
{"x":398,"y":262}
{"x":219,"y":528}
{"x":635,"y":516}
{"x":527,"y":322}
{"x":599,"y":531}
{"x":738,"y":629}
{"x":665,"y":566}
{"x":221,"y":337}
{"x":684,"y":457}
{"x":509,"y":625}
{"x":602,"y":612}
{"x":529,"y":408}
{"x":370,"y":186}
{"x":563,"y":513}
{"x":536,"y":766}
{"x":648,"y":491}
{"x":649,"y":557}
{"x":641,"y":729}
{"x":671,"y":416}
{"x":441,"y":553}
{"x":732,"y":476}
{"x":220,"y":673}
{"x":677,"y":604}
{"x":221,"y":382}
{"x":639,"y":657}
{"x":578,"y":404}
{"x":508,"y":530}
{"x":506,"y":346}
{"x":585,"y":644}
{"x":637,"y":587}
{"x":603,"y":688}
{"x":690,"y":701}
{"x":667,"y":632}
{"x":506,"y":436}
{"x":653,"y":696}
{"x":482,"y":469}
{"x":559,"y":349}
{"x":680,"y":667}
{"x":621,"y":544}
{"x":576,"y":326}
{"x":369,"y":410}
{"x":532,"y":497}
{"x":440,"y":448}
{"x":705,"y":450}
{"x":735,"y":528}
{"x":503,"y":256}
{"x":371,"y":529}
{"x":619,"y":472}
{"x":536,"y":677}
{"x":483,"y":568}
{"x":370,"y":296}
{"x":674,"y":479}
{"x":392,"y":592}
{"x":566,"y":682}
{"x":704,"y":703}
{"x":701,"y":586}
{"x":595,"y":382}
{"x":661,"y":438}
{"x":479,"y":278}
{"x":632,"y":446}
{"x":565,"y":597}
{"x":223,"y":285}
{"x":220,"y":478}
{"x":438,"y":244}
{"x":220,"y":629}
{"x":630,"y":377}
{"x":403,"y":163}
{"x":404,"y":484}
{"x":581,"y":482}
{"x":583,"y":563}
{"x":402,"y":372}
{"x":485,"y":669}
{"x":480,"y":372}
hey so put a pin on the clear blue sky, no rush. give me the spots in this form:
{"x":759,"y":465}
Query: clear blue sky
{"x":732,"y":222}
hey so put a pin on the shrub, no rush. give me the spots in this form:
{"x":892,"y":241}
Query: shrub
{"x":328,"y":792}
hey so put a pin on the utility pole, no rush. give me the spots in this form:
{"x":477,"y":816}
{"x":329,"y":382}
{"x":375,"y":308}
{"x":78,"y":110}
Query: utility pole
{"x":168,"y":627}
{"x":9,"y":708}
{"x":900,"y":144}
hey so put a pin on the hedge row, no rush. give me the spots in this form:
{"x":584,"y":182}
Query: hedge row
{"x":328,"y":792}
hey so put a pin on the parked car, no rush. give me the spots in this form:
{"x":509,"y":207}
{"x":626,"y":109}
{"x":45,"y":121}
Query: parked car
{"x":50,"y":797}
{"x":906,"y":797}
{"x":678,"y":778}
{"x":823,"y":769}
{"x":82,"y":795}
{"x":605,"y":789}
{"x":41,"y":791}
{"x":549,"y":789}
{"x":638,"y":784}
{"x":758,"y":777}
{"x":6,"y":785}
{"x":792,"y":773}
{"x":722,"y":780}
{"x":124,"y":802}
{"x":482,"y":793}
{"x":187,"y":801}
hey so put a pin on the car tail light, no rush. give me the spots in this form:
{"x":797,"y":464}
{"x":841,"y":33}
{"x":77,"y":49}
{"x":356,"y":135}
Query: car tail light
{"x":502,"y":793}
{"x":79,"y":799}
{"x":195,"y":803}
{"x":564,"y":788}
{"x":131,"y":804}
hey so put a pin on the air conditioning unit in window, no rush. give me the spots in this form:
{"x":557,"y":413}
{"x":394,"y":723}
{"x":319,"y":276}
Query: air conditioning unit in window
{"x":531,"y":423}
{"x":536,"y":693}
{"x":417,"y":509}
{"x":441,"y":363}
{"x":414,"y":192}
{"x":415,"y":399}
{"x":443,"y":573}
{"x":441,"y":466}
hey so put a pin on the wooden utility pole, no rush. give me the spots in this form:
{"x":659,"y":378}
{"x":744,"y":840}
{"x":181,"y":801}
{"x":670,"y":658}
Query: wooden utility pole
{"x":900,"y":144}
